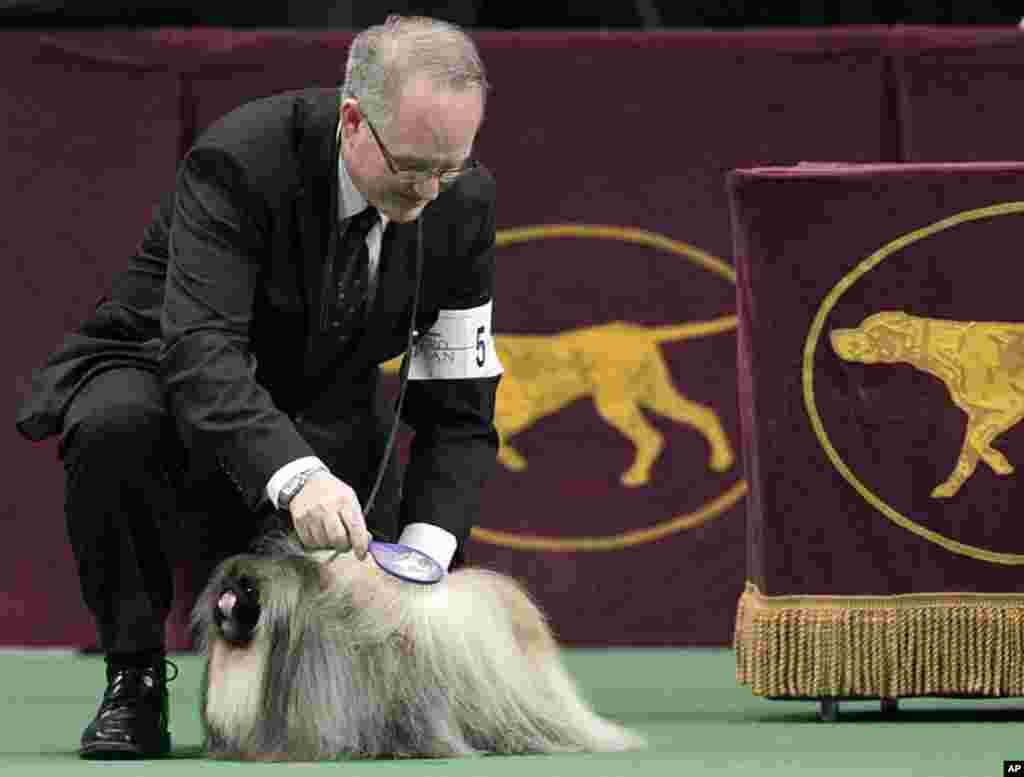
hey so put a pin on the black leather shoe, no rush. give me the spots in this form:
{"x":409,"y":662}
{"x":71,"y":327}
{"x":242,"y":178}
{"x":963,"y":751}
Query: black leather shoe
{"x":133,"y":716}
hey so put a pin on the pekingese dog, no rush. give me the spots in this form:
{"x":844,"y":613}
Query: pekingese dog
{"x":308,"y":661}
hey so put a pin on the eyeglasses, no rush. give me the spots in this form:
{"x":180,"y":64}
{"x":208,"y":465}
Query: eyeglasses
{"x":421,"y":174}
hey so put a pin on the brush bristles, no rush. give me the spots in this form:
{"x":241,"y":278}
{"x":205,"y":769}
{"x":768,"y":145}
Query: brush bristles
{"x":347,"y":661}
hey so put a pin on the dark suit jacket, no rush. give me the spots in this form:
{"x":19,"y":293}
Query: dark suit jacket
{"x":223,"y":298}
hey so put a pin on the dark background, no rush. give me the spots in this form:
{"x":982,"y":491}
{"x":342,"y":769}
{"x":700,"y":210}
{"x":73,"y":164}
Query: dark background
{"x":504,"y":15}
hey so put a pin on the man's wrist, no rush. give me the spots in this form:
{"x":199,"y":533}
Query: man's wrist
{"x":287,"y":473}
{"x":294,"y":485}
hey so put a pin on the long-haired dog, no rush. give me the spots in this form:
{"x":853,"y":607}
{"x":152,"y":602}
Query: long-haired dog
{"x":307,"y":661}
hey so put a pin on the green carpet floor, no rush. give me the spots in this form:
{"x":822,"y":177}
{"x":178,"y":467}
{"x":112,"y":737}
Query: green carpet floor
{"x":698,"y":720}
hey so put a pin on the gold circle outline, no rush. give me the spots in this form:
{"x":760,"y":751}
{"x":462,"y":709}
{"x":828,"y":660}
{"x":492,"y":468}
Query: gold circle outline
{"x":707,"y":512}
{"x":811,"y":344}
{"x":507,"y":237}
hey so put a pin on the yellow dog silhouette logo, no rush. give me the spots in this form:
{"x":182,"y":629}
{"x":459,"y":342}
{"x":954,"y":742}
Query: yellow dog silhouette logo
{"x":981,"y":363}
{"x":621,"y":368}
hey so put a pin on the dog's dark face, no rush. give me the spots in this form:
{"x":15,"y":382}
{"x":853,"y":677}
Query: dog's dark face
{"x":250,"y":593}
{"x":237,"y":609}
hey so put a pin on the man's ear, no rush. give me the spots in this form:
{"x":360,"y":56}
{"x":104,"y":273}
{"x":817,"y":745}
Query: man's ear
{"x":349,"y":116}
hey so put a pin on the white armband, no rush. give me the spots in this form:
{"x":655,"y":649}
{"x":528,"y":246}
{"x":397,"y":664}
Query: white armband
{"x":459,"y":345}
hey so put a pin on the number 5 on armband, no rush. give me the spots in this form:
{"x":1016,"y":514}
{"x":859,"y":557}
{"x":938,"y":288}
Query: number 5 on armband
{"x":481,"y":347}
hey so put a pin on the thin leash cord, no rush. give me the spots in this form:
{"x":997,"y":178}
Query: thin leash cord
{"x":403,"y":380}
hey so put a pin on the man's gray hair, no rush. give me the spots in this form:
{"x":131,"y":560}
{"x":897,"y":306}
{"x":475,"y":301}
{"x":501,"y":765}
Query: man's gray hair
{"x":382,"y":58}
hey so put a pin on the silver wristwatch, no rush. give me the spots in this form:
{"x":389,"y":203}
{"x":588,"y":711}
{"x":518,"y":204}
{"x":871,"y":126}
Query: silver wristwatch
{"x":294,"y":484}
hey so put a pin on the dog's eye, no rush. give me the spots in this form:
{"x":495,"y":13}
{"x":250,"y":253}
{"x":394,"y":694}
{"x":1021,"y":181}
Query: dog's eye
{"x":248,"y":586}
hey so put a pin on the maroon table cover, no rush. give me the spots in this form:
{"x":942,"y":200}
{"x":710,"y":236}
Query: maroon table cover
{"x":881,"y":376}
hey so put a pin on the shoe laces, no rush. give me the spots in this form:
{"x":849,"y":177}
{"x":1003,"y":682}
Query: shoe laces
{"x":128,"y":683}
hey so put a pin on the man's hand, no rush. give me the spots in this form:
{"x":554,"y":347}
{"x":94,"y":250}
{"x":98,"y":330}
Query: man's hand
{"x":326,"y":514}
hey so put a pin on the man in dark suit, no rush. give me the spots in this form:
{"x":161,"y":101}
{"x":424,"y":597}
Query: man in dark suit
{"x":234,"y":366}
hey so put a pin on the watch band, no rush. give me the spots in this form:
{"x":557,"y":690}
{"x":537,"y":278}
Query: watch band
{"x":295,"y":484}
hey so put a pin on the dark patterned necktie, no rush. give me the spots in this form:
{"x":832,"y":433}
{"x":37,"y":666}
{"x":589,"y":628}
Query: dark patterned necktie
{"x":349,"y":296}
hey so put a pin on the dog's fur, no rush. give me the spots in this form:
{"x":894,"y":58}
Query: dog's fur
{"x":313,"y":662}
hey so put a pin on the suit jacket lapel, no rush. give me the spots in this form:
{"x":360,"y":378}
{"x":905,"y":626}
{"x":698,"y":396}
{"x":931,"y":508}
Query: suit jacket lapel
{"x":316,"y":205}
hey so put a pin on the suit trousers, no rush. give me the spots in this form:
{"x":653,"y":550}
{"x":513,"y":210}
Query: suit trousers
{"x":136,"y":502}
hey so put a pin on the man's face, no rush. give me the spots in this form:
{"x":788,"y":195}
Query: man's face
{"x":431,"y":129}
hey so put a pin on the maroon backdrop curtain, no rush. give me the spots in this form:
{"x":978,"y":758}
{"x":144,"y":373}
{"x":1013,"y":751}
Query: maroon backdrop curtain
{"x":957,"y":93}
{"x":90,"y":143}
{"x":615,"y":146}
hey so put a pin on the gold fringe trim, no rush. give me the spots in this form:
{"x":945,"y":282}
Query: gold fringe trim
{"x":955,"y":644}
